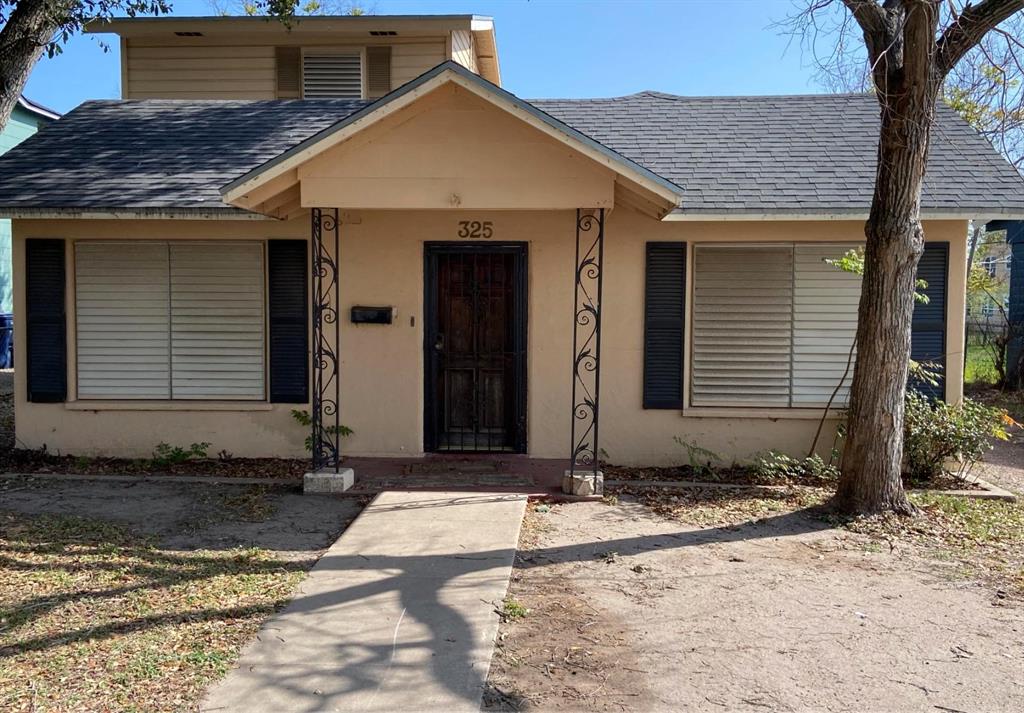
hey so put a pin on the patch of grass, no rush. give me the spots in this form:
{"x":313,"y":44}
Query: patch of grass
{"x":984,"y":537}
{"x":512,"y":610}
{"x":95,"y":617}
{"x":980,"y":367}
{"x":971,"y":524}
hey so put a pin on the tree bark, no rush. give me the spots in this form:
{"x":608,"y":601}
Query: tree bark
{"x":872,"y":462}
{"x":30,"y":27}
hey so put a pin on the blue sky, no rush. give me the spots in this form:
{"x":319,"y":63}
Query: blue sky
{"x":550,"y":48}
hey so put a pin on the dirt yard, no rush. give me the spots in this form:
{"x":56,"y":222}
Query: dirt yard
{"x":136,"y":595}
{"x":629,"y":610}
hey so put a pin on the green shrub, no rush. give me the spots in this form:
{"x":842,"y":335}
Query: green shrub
{"x":935,"y":432}
{"x":701,"y":459}
{"x":303,"y":418}
{"x":775,"y":465}
{"x":165,"y":454}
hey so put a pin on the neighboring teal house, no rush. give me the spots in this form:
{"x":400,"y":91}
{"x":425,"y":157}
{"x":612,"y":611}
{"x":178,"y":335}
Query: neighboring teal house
{"x":26,"y":120}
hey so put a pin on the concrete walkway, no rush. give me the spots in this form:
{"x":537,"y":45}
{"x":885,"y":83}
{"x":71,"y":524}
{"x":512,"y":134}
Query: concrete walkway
{"x":398,"y":615}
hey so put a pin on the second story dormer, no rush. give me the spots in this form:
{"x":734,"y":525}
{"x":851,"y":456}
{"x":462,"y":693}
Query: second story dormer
{"x":357,"y":57}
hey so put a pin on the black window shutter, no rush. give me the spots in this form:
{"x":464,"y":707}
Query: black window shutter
{"x":287,"y":278}
{"x":46,"y":334}
{"x":928,"y":330}
{"x":664,"y":313}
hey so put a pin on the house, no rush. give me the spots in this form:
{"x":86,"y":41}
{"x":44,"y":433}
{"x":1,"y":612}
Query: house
{"x":1010,"y":272}
{"x":353,"y":218}
{"x":986,"y":311}
{"x":26,"y":119}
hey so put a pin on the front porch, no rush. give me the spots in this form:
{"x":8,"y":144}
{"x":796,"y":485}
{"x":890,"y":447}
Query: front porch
{"x":475,"y":378}
{"x":475,"y":226}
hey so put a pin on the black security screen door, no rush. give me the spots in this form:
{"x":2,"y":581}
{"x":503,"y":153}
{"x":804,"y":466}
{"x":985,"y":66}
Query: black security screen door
{"x":475,"y":347}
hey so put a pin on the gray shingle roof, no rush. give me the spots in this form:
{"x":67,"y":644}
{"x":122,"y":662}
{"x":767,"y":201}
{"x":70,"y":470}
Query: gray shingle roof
{"x":801,"y":154}
{"x":791,"y":154}
{"x":156,"y":153}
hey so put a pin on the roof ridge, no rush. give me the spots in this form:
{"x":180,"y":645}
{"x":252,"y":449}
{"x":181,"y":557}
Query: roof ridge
{"x":805,"y":95}
{"x":706,"y":97}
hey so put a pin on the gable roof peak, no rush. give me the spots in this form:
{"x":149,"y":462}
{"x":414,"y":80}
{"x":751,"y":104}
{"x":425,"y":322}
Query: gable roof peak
{"x":450,"y":71}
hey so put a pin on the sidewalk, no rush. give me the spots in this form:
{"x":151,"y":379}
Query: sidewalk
{"x":398,"y":615}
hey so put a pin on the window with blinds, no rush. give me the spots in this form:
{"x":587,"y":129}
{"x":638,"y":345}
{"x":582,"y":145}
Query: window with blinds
{"x":772,"y":325}
{"x":159,"y":320}
{"x":123,"y":318}
{"x":825,"y":305}
{"x":217,"y":321}
{"x":332,"y":75}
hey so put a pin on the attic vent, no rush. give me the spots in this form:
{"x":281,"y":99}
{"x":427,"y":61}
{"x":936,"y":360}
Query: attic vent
{"x":383,"y":33}
{"x":332,"y":75}
{"x":289,"y":72}
{"x":189,"y":34}
{"x":378,"y":71}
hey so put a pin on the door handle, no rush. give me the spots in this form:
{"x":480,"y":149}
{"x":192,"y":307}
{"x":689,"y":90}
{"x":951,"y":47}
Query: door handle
{"x":439,"y":343}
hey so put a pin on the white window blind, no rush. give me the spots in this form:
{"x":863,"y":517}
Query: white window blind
{"x":159,"y":320}
{"x":329,"y":75}
{"x":772,"y":325}
{"x":742,"y":325}
{"x":122,"y":318}
{"x":217,"y":320}
{"x":824,"y":325}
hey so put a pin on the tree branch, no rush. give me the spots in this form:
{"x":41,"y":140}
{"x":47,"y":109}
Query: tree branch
{"x":969,"y":28}
{"x":883,"y":37}
{"x":869,"y":15}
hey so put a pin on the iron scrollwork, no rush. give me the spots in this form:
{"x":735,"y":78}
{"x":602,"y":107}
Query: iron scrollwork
{"x":326,"y":425}
{"x":586,"y":344}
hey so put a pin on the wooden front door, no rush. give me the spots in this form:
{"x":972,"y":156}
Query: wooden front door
{"x":475,"y":347}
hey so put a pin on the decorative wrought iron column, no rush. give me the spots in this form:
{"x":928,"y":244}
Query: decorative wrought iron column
{"x":586,"y":345}
{"x":325,"y":439}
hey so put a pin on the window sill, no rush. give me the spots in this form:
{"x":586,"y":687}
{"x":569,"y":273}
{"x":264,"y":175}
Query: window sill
{"x":168,"y":406}
{"x":774,"y":413}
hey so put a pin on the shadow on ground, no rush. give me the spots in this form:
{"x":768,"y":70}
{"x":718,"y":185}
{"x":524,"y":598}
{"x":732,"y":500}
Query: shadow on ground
{"x":215,"y":517}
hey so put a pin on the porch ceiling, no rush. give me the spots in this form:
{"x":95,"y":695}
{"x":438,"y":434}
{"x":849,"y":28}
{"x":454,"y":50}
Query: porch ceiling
{"x":450,"y":140}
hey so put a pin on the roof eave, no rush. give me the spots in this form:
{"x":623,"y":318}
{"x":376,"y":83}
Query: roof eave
{"x":143,"y":26}
{"x":37,"y":109}
{"x":117,"y":213}
{"x":983,"y":213}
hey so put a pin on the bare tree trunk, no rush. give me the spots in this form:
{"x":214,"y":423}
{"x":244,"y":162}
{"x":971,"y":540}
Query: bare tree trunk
{"x":30,"y":27}
{"x":909,"y":59}
{"x":872,"y":462}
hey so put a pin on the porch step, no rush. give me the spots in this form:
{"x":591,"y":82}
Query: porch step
{"x":446,"y":481}
{"x":452,"y":465}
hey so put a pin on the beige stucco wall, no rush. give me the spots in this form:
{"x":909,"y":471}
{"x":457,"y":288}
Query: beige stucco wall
{"x":453,"y":149}
{"x":382,"y":366}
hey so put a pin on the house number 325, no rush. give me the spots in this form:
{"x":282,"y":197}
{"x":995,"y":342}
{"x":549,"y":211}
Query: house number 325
{"x":476,"y":229}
